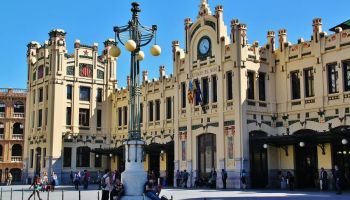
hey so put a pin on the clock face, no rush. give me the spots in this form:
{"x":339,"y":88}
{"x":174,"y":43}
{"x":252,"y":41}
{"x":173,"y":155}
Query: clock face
{"x":204,"y":46}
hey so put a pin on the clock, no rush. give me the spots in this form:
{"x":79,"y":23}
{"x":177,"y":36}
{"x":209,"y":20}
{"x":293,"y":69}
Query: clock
{"x":204,"y":47}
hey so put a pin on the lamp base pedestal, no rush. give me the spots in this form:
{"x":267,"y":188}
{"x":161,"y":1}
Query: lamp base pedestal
{"x":134,"y":177}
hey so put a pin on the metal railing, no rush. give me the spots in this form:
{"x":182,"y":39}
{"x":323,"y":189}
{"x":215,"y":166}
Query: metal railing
{"x":16,"y":159}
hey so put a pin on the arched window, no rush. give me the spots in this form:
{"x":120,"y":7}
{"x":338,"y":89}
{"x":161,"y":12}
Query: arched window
{"x":2,"y":128}
{"x":18,"y":129}
{"x":16,"y":174}
{"x":16,"y":150}
{"x":18,"y":107}
{"x":83,"y":157}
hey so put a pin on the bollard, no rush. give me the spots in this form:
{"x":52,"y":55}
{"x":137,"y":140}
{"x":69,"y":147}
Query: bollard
{"x":1,"y":194}
{"x":79,"y":195}
{"x":11,"y":194}
{"x":48,"y":195}
{"x":22,"y":194}
{"x":62,"y":195}
{"x":98,"y":195}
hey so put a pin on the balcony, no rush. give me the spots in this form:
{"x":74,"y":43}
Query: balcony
{"x":17,"y":136}
{"x":18,"y":115}
{"x":2,"y":115}
{"x":16,"y":159}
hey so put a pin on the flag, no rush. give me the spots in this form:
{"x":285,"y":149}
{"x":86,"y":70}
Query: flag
{"x":190,"y":92}
{"x":198,"y":92}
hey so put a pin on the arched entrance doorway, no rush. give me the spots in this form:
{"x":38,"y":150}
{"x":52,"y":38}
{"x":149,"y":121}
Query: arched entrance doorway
{"x":206,"y":154}
{"x":306,"y":161}
{"x":16,"y":175}
{"x":258,"y":161}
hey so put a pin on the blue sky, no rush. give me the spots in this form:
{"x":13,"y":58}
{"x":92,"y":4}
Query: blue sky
{"x":92,"y":21}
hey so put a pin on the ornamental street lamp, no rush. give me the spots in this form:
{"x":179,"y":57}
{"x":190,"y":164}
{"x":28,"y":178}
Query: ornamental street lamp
{"x":134,"y":36}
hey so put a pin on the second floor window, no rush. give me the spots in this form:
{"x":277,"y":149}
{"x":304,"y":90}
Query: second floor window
{"x":40,"y":118}
{"x":69,"y":116}
{"x":120,"y":114}
{"x":150,"y":111}
{"x":84,"y":94}
{"x":41,"y":95}
{"x":229,"y":85}
{"x":125,"y":111}
{"x":214,"y":88}
{"x":250,"y":87}
{"x":84,"y":117}
{"x":262,"y":87}
{"x":99,"y":118}
{"x":183,"y":95}
{"x":332,"y":78}
{"x":295,"y":84}
{"x":157,"y":110}
{"x":141,"y":113}
{"x":346,"y":68}
{"x":309,"y":82}
{"x":168,"y":108}
{"x":69,"y":91}
{"x":99,"y":95}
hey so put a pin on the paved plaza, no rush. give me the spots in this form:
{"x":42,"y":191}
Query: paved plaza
{"x":178,"y":194}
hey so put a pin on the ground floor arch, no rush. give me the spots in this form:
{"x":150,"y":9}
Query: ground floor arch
{"x":206,"y":151}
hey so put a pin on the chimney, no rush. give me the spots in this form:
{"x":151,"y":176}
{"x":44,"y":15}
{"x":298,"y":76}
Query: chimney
{"x":144,"y":76}
{"x":161,"y":72}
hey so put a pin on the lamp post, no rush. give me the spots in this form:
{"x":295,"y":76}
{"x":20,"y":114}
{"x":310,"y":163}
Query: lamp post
{"x":134,"y":36}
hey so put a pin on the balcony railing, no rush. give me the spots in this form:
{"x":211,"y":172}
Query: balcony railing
{"x":18,"y":115}
{"x":2,"y":115}
{"x":17,"y":136}
{"x":16,"y":159}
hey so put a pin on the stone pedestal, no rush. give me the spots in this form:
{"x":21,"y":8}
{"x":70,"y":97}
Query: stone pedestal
{"x":134,"y":177}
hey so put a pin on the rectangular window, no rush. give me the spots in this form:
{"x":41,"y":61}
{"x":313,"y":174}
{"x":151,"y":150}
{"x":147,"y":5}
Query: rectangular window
{"x":309,"y":82}
{"x":183,"y":150}
{"x":98,"y":161}
{"x":44,"y":157}
{"x":214,"y":85}
{"x":33,"y":119}
{"x":229,"y":85}
{"x":251,"y":85}
{"x":84,"y":94}
{"x":150,"y":111}
{"x":295,"y":80}
{"x":197,"y":93}
{"x":205,"y":83}
{"x":168,"y":108}
{"x":40,"y":118}
{"x":67,"y":157}
{"x":69,"y":92}
{"x":84,"y":117}
{"x":41,"y":95}
{"x":346,"y":72}
{"x":99,"y":118}
{"x":69,"y":116}
{"x":157,"y":110}
{"x":120,"y":117}
{"x":332,"y":78}
{"x":125,"y":111}
{"x":99,"y":95}
{"x":34,"y":94}
{"x":141,"y":113}
{"x":31,"y":158}
{"x":183,"y":95}
{"x":262,"y":87}
{"x":46,"y":116}
{"x":47,"y":92}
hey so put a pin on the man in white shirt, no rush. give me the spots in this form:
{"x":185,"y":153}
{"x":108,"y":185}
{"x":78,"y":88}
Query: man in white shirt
{"x":106,"y":185}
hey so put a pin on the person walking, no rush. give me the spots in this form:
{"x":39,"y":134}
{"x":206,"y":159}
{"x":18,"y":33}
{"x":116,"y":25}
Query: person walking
{"x":106,"y":185}
{"x":9,"y":178}
{"x":71,"y":176}
{"x":337,"y":179}
{"x":212,"y":178}
{"x":77,"y":180}
{"x":243,"y":179}
{"x":224,"y":178}
{"x":323,"y":180}
{"x":290,"y":181}
{"x":185,"y":175}
{"x":86,"y":179}
{"x":54,"y":181}
{"x":178,"y":178}
{"x":37,"y":187}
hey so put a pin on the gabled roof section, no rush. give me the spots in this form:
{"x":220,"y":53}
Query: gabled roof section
{"x":345,"y":25}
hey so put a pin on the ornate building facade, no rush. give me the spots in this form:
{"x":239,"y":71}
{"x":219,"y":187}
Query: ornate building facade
{"x":228,"y":105}
{"x":12,"y":120}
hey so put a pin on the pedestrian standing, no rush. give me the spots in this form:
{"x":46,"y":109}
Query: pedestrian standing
{"x":71,"y":176}
{"x":77,"y":180}
{"x":224,"y":178}
{"x":106,"y":185}
{"x":86,"y":179}
{"x":185,"y":178}
{"x":243,"y":179}
{"x":54,"y":181}
{"x":212,"y":178}
{"x":9,"y":178}
{"x":337,"y":179}
{"x":178,"y":178}
{"x":290,"y":181}
{"x":323,"y":180}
